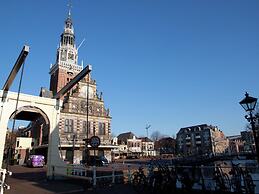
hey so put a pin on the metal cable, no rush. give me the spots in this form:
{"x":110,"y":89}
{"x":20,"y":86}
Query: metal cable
{"x":14,"y":118}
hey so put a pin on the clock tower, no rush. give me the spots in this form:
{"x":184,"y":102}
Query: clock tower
{"x":83,"y":113}
{"x":66,"y":66}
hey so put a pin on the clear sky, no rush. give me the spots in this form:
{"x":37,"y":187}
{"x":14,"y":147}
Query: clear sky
{"x":168,"y":63}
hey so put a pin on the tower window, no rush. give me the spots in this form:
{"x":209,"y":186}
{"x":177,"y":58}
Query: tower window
{"x":101,"y":128}
{"x":85,"y":127}
{"x":69,"y":126}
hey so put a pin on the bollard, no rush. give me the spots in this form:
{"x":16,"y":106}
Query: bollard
{"x":113,"y":174}
{"x":94,"y":176}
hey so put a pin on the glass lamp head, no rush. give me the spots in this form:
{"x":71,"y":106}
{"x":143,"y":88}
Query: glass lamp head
{"x":248,"y":103}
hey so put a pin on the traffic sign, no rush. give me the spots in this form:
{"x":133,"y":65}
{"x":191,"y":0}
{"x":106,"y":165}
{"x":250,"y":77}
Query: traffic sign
{"x":95,"y":141}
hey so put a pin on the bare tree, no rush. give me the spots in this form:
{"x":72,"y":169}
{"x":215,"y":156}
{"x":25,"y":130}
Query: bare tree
{"x":156,"y":135}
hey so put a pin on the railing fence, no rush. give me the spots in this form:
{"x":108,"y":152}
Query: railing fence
{"x":209,"y":178}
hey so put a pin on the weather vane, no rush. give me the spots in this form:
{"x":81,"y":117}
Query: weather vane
{"x":69,"y":7}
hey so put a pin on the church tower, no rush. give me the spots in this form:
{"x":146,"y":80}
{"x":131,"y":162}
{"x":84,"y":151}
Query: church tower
{"x":83,"y":113}
{"x":66,"y":66}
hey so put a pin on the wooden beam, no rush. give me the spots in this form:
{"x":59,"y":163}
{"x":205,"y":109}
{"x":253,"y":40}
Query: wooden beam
{"x":20,"y":60}
{"x":73,"y":82}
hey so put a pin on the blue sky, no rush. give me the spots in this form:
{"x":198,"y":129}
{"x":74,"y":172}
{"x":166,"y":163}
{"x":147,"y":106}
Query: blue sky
{"x":168,"y":63}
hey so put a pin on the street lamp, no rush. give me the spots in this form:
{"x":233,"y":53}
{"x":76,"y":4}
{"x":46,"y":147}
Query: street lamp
{"x":249,"y":103}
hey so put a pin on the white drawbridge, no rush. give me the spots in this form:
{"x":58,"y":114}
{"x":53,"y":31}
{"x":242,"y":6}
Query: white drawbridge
{"x":16,"y":103}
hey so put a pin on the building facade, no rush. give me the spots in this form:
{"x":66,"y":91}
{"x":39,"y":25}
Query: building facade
{"x":83,"y":114}
{"x":236,"y":144}
{"x":134,"y":146}
{"x":22,"y":149}
{"x":201,"y":140}
{"x":130,"y":146}
{"x":248,"y":141}
{"x":166,"y":146}
{"x":147,"y":147}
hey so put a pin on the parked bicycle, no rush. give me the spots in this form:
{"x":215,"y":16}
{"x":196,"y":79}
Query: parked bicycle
{"x":139,"y":180}
{"x":241,"y":180}
{"x":161,"y":178}
{"x":223,"y":183}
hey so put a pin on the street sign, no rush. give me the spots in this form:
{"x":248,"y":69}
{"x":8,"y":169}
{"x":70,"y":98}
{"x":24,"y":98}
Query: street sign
{"x":95,"y":141}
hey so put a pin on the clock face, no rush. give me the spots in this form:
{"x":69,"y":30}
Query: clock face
{"x":70,"y":56}
{"x":63,"y":55}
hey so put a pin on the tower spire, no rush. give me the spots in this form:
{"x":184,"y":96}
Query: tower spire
{"x":69,"y":8}
{"x":68,"y":22}
{"x":66,"y":66}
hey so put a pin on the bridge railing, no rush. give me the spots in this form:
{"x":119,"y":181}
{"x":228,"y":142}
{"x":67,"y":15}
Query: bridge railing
{"x":97,"y":176}
{"x":210,"y":178}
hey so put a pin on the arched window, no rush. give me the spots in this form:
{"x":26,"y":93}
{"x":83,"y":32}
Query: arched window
{"x":101,"y":128}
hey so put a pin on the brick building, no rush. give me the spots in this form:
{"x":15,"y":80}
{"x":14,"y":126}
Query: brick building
{"x":236,"y":144}
{"x":83,"y":114}
{"x":200,"y":140}
{"x":166,"y":146}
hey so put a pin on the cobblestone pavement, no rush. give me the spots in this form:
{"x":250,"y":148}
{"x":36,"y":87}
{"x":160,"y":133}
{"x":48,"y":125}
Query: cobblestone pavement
{"x":33,"y":180}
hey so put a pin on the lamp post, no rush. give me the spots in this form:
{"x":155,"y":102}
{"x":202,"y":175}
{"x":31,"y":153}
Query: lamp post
{"x":87,"y":123}
{"x":249,"y":103}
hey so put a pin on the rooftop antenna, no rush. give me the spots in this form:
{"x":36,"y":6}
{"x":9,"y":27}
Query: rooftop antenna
{"x":147,"y":127}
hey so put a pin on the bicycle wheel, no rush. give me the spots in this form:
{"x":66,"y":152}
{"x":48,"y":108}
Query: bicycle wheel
{"x":249,"y":184}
